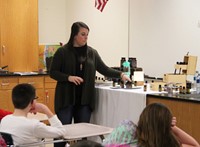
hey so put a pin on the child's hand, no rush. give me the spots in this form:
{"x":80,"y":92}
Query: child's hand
{"x":38,"y":107}
{"x":173,"y":121}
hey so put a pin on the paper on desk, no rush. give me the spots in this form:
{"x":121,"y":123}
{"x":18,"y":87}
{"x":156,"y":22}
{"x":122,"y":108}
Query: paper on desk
{"x":138,"y":76}
{"x":26,"y":73}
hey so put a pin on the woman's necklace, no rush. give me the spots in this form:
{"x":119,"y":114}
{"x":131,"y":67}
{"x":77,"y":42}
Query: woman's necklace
{"x":81,"y":56}
{"x":81,"y":61}
{"x":81,"y":66}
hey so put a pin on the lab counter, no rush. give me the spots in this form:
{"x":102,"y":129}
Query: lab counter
{"x":185,"y":107}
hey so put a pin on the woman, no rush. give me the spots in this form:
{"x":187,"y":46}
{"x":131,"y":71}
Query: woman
{"x":74,"y":66}
{"x":156,"y":128}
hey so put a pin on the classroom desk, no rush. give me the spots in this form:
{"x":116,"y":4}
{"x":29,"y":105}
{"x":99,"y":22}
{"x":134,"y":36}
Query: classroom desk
{"x":84,"y":130}
{"x":76,"y":132}
{"x":115,"y":105}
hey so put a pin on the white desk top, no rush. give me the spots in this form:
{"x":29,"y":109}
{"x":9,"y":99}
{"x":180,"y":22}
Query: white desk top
{"x":83,"y":130}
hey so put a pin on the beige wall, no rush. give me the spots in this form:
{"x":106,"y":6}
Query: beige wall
{"x":108,"y":30}
{"x":161,"y":31}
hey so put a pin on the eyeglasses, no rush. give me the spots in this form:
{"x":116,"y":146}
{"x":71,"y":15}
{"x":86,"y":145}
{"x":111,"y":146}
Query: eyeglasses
{"x":36,"y":97}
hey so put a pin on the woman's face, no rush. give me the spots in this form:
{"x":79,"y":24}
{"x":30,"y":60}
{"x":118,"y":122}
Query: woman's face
{"x":81,"y":38}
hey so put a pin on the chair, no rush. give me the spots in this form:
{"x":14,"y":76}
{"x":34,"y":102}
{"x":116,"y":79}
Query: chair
{"x":9,"y":141}
{"x":8,"y":138}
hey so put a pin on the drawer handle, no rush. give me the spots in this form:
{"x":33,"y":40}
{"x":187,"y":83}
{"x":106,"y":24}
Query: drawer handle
{"x":3,"y":49}
{"x":5,"y":84}
{"x":47,"y":96}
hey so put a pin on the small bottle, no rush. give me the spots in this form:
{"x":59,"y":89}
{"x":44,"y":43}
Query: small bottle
{"x":180,"y":89}
{"x":151,"y":85}
{"x":198,"y":84}
{"x":183,"y":90}
{"x":145,"y":86}
{"x":188,"y":91}
{"x":160,"y":88}
{"x":135,"y":83}
{"x":122,"y":84}
{"x":114,"y":83}
{"x":188,"y":87}
{"x":123,"y":59}
{"x":165,"y":87}
{"x":126,"y":68}
{"x":194,"y":83}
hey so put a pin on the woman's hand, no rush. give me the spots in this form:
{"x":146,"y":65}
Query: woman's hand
{"x":125,"y":77}
{"x":75,"y":79}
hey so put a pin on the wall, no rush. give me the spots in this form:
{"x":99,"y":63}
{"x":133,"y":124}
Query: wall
{"x":162,"y":32}
{"x":159,"y":34}
{"x":108,"y":30}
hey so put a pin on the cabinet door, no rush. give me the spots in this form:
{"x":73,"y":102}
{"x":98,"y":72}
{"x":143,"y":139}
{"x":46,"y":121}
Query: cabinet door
{"x":19,"y":35}
{"x":49,"y":97}
{"x":40,"y":95}
{"x":49,"y":85}
{"x":38,"y":83}
{"x":6,"y":86}
{"x":6,"y":100}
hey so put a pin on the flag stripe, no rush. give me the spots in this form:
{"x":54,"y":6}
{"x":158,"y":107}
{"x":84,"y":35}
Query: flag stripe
{"x":100,"y":4}
{"x":104,"y":3}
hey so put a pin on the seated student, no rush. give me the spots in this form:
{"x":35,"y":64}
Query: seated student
{"x":156,"y":128}
{"x":25,"y":130}
{"x":4,"y":113}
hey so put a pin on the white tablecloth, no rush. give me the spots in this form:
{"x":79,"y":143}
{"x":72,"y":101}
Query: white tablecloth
{"x":115,"y":105}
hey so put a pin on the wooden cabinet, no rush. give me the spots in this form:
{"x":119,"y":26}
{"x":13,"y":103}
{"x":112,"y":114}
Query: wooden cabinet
{"x":38,"y":83}
{"x":45,"y":89}
{"x":19,"y":34}
{"x":186,"y":113}
{"x":49,"y":88}
{"x":7,"y":83}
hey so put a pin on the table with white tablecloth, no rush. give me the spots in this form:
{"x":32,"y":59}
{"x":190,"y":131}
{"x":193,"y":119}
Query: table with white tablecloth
{"x":115,"y":105}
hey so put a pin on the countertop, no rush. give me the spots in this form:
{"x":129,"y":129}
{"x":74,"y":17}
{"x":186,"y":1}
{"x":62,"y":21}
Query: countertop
{"x":193,"y":97}
{"x":8,"y":74}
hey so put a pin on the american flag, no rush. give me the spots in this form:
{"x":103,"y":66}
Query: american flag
{"x":100,"y":4}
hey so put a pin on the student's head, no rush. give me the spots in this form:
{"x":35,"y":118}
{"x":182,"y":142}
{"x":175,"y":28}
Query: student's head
{"x":23,"y":95}
{"x":154,"y":127}
{"x":79,"y":33}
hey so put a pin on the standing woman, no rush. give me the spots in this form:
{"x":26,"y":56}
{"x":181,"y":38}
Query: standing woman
{"x":74,"y":66}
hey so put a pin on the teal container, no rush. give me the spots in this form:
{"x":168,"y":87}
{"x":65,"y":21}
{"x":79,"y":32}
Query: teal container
{"x":126,"y":68}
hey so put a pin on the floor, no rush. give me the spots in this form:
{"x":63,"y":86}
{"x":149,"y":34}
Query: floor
{"x":51,"y":145}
